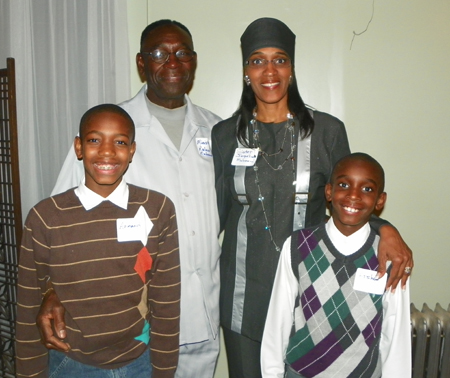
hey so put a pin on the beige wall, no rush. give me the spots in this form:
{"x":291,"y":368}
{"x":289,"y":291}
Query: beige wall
{"x":392,"y":90}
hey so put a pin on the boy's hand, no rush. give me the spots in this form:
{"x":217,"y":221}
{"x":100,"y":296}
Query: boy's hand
{"x":393,"y":248}
{"x":51,"y":314}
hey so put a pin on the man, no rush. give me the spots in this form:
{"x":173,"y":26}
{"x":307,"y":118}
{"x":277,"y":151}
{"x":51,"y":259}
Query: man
{"x":173,"y":157}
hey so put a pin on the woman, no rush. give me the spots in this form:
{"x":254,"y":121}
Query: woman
{"x":264,"y":195}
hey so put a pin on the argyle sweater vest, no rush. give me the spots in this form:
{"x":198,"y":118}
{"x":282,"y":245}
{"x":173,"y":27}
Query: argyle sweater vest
{"x":337,"y":329}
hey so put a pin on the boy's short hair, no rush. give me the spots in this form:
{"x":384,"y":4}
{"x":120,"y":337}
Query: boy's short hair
{"x":362,"y":157}
{"x":106,"y":108}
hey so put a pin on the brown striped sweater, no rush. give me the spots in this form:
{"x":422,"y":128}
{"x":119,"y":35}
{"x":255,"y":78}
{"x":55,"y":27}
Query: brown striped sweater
{"x":108,"y":305}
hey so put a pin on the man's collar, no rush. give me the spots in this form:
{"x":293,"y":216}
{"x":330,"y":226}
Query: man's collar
{"x":90,"y":199}
{"x":163,"y":112}
{"x":191,"y":111}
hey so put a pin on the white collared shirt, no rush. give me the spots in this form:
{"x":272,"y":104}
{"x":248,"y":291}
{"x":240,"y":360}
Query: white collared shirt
{"x":89,"y":199}
{"x":347,"y":245}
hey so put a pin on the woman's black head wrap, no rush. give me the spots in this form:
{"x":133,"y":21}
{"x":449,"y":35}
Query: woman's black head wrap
{"x":267,"y":32}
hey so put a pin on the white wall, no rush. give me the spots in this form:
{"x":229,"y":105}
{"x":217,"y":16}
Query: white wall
{"x":392,"y":90}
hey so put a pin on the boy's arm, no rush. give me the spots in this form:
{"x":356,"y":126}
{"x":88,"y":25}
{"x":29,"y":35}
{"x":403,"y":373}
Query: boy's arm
{"x":395,"y":343}
{"x":279,"y":319}
{"x":31,"y":355}
{"x":164,"y":296}
{"x":392,"y":248}
{"x":51,"y":312}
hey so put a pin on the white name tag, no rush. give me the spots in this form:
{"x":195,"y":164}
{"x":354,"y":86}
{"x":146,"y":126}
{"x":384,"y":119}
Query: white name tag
{"x":204,"y":147}
{"x":245,"y":157}
{"x":132,"y":229}
{"x":366,"y":282}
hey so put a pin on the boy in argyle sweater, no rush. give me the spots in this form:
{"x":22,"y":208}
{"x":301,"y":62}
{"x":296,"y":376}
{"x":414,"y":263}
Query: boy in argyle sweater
{"x":329,"y":315}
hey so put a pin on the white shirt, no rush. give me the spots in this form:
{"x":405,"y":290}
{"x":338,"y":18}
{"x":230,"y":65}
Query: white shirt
{"x":89,"y":199}
{"x":347,"y":245}
{"x":187,"y":178}
{"x":171,"y":119}
{"x":395,"y":343}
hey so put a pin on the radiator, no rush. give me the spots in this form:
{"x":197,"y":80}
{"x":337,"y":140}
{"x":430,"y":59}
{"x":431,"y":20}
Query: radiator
{"x":430,"y":333}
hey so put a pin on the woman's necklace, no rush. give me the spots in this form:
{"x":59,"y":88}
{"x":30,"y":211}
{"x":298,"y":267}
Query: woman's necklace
{"x":289,"y":126}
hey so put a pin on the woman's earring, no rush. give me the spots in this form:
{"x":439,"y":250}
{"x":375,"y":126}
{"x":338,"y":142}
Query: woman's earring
{"x":247,"y":80}
{"x":290,"y":79}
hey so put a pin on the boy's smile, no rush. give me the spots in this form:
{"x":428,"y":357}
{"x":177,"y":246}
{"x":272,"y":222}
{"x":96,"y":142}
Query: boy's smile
{"x":106,"y":148}
{"x":355,"y":192}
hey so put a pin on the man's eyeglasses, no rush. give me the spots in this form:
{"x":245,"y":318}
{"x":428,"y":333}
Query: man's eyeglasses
{"x":162,"y":56}
{"x":262,"y":63}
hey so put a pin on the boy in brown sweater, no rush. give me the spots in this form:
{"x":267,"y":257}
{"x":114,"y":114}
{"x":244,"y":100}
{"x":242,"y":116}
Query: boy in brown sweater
{"x":110,"y":252}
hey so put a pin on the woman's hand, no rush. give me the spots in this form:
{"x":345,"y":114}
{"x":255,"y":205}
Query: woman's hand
{"x":51,"y":314}
{"x":393,"y":248}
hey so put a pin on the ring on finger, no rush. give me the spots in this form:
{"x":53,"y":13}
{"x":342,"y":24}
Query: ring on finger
{"x":408,"y":270}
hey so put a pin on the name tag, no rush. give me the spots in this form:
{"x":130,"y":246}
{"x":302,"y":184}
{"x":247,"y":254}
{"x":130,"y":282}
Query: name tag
{"x":132,"y":229}
{"x":366,"y":282}
{"x":204,"y":147}
{"x":245,"y":157}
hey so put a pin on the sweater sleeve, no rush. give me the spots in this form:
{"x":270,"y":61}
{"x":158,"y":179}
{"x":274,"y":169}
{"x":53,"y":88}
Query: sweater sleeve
{"x":31,"y":355}
{"x":376,"y":223}
{"x":164,"y":296}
